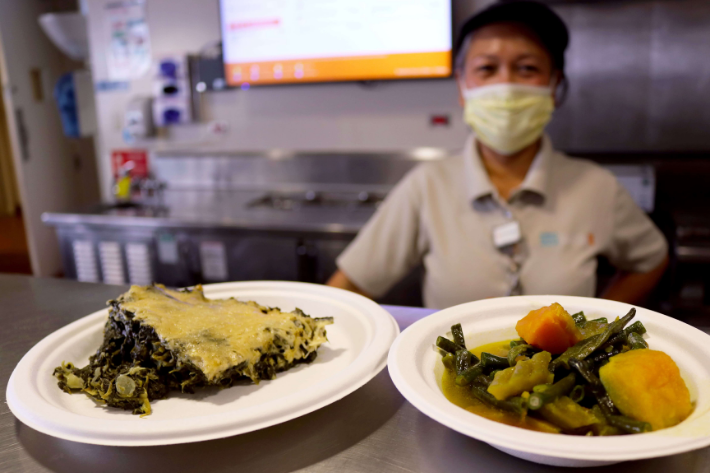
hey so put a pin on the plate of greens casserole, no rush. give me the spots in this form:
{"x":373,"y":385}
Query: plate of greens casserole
{"x":163,"y":366}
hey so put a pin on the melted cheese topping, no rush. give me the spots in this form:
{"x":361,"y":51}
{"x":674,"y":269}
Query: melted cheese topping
{"x":216,"y":335}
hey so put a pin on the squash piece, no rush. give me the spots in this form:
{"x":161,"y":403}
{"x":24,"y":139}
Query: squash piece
{"x":522,"y":377}
{"x":549,"y":328}
{"x":646,"y":385}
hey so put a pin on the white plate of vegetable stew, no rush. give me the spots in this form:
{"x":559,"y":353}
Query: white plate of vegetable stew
{"x":564,"y":415}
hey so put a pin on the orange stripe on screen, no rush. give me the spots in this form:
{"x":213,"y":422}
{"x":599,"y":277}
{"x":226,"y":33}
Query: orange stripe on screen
{"x":389,"y":66}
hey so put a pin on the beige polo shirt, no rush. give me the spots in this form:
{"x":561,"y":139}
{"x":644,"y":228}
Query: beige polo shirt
{"x":443,"y":214}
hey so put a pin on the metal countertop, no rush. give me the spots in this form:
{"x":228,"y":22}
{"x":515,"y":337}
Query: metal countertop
{"x":372,"y":430}
{"x":217,"y":209}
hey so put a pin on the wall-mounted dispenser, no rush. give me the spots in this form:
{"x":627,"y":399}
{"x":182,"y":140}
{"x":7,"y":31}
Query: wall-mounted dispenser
{"x":138,"y":119}
{"x":172,"y":104}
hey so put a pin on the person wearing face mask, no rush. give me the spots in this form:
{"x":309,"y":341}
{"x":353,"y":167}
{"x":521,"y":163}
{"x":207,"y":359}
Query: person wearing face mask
{"x":510,"y":215}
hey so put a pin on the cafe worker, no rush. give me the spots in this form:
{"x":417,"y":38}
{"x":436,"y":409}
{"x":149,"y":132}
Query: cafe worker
{"x":510,"y":215}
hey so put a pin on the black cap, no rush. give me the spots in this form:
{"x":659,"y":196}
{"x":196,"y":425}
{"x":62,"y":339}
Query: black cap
{"x":538,"y":18}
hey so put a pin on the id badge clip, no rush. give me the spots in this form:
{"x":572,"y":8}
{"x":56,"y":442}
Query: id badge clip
{"x":507,"y":234}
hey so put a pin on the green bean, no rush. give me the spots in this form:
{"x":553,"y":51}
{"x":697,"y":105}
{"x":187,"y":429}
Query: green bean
{"x":622,"y":337}
{"x":515,"y":343}
{"x":598,"y":429}
{"x":447,"y":345}
{"x":601,"y":320}
{"x":577,"y":393}
{"x":457,"y":332}
{"x":629,"y":426}
{"x":579,"y":319}
{"x":449,"y":361}
{"x":515,"y":352}
{"x":463,"y":361}
{"x":636,"y":327}
{"x":467,"y":377}
{"x":588,"y":346}
{"x":584,"y":368}
{"x":636,"y":341}
{"x":490,"y":361}
{"x":514,"y":404}
{"x":546,"y":393}
{"x":596,"y":386}
{"x":605,"y":355}
{"x":482,"y":381}
{"x":619,"y":339}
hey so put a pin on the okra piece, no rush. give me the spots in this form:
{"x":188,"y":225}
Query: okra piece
{"x":494,"y":362}
{"x":629,"y":426}
{"x":463,"y":361}
{"x":579,"y":319}
{"x":588,"y":346}
{"x":449,"y":361}
{"x":447,"y":345}
{"x":515,"y":352}
{"x":636,"y":341}
{"x":514,"y":404}
{"x":467,"y":377}
{"x":457,"y":332}
{"x":546,"y":393}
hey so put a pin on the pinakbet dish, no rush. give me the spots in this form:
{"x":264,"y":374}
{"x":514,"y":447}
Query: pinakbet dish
{"x":417,"y":370}
{"x":567,"y":375}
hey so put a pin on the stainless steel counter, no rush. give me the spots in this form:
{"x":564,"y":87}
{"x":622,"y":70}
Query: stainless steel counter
{"x":372,"y":430}
{"x":214,"y":209}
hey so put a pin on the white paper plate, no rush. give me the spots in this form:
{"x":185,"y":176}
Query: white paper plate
{"x":356,"y":351}
{"x":416,"y":369}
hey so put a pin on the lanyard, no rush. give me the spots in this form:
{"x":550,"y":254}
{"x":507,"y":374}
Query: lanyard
{"x":508,"y":237}
{"x":514,"y":267}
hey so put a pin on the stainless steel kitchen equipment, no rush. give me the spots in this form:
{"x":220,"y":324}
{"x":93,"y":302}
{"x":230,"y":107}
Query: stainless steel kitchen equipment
{"x":273,"y":215}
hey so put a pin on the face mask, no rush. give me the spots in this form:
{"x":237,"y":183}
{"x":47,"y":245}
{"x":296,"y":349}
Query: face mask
{"x":508,"y":117}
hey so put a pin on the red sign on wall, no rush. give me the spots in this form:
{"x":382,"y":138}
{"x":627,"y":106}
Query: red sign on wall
{"x":139,"y":158}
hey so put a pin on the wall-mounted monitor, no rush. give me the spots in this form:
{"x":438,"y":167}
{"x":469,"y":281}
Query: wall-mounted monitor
{"x":292,"y":41}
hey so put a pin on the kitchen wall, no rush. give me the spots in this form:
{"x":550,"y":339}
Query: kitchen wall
{"x":640,"y":78}
{"x":52,"y":173}
{"x":386,"y":116}
{"x":639,"y":75}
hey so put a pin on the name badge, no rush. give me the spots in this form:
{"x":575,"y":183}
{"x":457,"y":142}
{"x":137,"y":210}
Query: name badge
{"x":507,"y":234}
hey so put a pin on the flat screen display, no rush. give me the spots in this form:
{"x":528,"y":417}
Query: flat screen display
{"x":291,"y":41}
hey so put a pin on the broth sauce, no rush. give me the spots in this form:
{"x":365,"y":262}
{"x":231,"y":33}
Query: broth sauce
{"x":462,"y":397}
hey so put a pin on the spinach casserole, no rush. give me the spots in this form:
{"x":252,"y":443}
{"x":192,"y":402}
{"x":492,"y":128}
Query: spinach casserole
{"x":157,"y":340}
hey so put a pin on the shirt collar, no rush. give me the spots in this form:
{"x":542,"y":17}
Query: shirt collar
{"x":537,"y":180}
{"x":477,"y":183}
